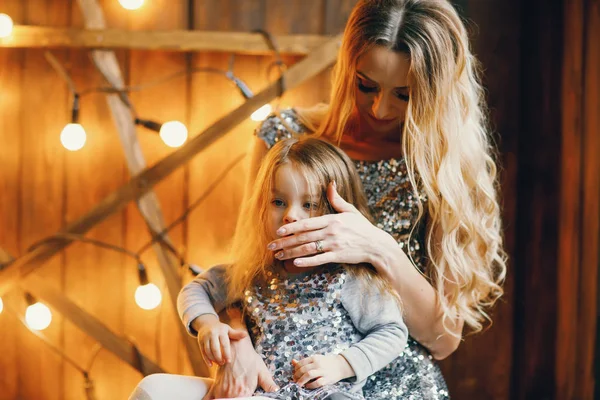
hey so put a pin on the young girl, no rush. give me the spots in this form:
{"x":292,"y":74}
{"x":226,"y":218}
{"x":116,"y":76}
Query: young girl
{"x":321,"y":331}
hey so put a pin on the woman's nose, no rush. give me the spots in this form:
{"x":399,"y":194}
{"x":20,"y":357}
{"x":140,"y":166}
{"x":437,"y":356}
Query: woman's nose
{"x":381,"y":107}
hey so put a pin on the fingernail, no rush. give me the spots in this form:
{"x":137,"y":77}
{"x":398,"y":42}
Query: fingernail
{"x":271,"y":246}
{"x":279,"y":255}
{"x":334,"y":185}
{"x":281,"y":231}
{"x":298,"y":262}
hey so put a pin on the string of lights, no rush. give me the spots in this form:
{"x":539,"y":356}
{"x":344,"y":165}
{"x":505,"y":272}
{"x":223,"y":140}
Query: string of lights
{"x":173,"y":133}
{"x":148,"y":296}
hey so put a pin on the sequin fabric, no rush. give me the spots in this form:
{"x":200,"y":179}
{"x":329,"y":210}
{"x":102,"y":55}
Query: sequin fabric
{"x":297,"y":318}
{"x":414,"y":375}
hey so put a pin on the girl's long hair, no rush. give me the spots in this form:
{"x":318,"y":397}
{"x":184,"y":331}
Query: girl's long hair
{"x":445,"y":140}
{"x":320,"y":163}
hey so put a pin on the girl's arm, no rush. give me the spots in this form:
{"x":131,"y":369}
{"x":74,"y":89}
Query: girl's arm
{"x":376,"y":314}
{"x":198,"y":304}
{"x":206,"y":294}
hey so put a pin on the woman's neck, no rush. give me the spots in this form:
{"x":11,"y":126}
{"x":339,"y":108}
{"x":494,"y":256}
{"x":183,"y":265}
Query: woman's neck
{"x":368,"y":146}
{"x":373,"y":149}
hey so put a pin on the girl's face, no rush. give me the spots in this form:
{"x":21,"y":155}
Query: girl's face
{"x":382,"y":91}
{"x":290,"y":199}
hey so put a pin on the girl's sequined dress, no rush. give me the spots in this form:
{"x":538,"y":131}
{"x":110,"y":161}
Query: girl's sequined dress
{"x":414,"y":375}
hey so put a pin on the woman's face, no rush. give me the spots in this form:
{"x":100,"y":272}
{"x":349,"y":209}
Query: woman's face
{"x":381,"y":90}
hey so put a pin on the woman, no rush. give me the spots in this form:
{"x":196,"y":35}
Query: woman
{"x":408,"y":107}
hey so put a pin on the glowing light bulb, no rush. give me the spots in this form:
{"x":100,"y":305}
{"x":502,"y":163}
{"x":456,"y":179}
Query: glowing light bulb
{"x":131,"y":4}
{"x":73,"y":137}
{"x":1,"y":305}
{"x":173,"y":133}
{"x":6,"y":26}
{"x":148,"y":296}
{"x":262,"y":113}
{"x":38,"y":316}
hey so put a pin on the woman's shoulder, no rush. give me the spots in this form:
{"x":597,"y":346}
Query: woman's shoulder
{"x":280,"y":125}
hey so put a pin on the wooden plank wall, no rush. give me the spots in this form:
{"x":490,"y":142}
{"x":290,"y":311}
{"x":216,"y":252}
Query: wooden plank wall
{"x":43,"y":186}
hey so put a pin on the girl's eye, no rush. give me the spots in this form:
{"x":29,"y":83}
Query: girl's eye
{"x":311,"y":206}
{"x":278,"y":203}
{"x":365,"y":88}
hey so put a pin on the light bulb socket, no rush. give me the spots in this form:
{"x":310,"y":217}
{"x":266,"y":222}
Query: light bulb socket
{"x":75,"y":109}
{"x":142,"y":275}
{"x":242,"y":87}
{"x":196,"y":270}
{"x":146,"y":123}
{"x":30,"y":299}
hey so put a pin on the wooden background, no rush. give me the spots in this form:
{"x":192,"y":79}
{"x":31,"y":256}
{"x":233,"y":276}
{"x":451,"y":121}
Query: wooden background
{"x":43,"y":186}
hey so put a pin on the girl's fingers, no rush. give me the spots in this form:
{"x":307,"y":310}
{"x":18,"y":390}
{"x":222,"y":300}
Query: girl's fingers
{"x":226,"y":347}
{"x":208,"y":352}
{"x":300,"y":371}
{"x":317,"y":383}
{"x":215,"y":346}
{"x":309,"y":376}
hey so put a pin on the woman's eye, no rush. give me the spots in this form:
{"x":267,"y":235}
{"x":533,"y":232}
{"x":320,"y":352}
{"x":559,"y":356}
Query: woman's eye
{"x":365,"y":88}
{"x":278,"y":203}
{"x":402,"y":96}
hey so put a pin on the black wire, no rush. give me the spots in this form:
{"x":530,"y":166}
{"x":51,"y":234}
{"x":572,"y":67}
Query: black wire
{"x":156,"y":82}
{"x":81,"y":238}
{"x":159,"y":235}
{"x":272,"y":44}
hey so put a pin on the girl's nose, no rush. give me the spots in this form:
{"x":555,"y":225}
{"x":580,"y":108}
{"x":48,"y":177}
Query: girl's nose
{"x":288,"y":219}
{"x":291,"y":215}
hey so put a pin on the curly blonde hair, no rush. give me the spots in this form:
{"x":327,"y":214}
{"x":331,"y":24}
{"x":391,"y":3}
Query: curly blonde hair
{"x":445,"y":140}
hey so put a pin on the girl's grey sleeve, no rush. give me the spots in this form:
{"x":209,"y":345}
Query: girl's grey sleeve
{"x":206,"y":294}
{"x":376,"y":315}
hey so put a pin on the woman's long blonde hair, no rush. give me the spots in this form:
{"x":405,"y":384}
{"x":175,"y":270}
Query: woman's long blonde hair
{"x":320,"y":163}
{"x":444,"y":139}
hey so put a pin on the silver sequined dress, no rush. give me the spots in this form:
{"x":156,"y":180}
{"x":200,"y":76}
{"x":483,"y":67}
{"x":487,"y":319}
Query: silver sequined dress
{"x":298,"y":316}
{"x":414,"y":375}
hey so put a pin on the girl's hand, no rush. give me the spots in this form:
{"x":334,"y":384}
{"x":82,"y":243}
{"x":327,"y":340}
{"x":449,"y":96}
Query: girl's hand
{"x":317,"y":371}
{"x":214,"y":339}
{"x":347,"y":237}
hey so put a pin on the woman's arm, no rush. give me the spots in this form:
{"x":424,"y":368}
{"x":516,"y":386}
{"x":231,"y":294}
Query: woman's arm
{"x":422,"y":310}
